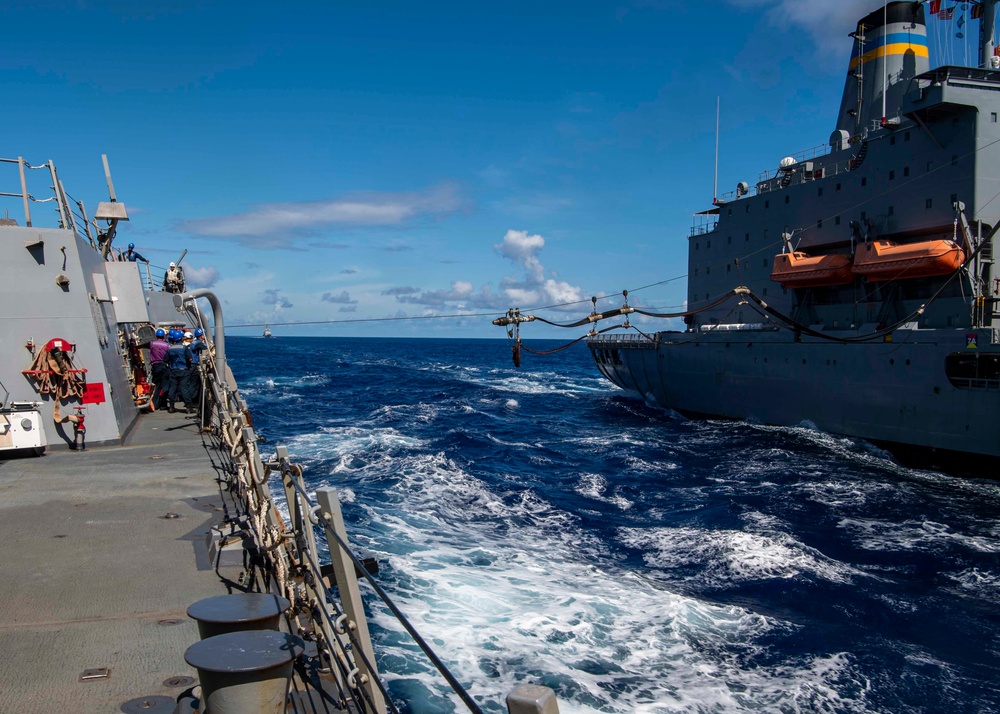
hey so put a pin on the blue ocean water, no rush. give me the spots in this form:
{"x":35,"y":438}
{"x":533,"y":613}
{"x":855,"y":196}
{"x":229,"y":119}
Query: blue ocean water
{"x":538,"y":524}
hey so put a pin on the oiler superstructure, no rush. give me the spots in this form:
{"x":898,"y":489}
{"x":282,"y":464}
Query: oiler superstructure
{"x":877,"y":314}
{"x":853,"y":288}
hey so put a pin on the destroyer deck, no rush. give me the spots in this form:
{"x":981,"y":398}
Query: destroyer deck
{"x":95,"y":575}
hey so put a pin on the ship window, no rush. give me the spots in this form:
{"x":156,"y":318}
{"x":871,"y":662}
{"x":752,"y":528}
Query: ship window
{"x":696,"y":272}
{"x":786,"y":199}
{"x":930,"y":166}
{"x":864,"y":180}
{"x":767,"y":204}
{"x":892,"y":141}
{"x":728,"y":266}
{"x":928,"y":203}
{"x":838,"y":186}
{"x":708,"y":270}
{"x":864,"y":215}
{"x":747,"y":237}
{"x":820,"y":191}
{"x":765,"y":291}
{"x":730,"y":212}
{"x":973,"y":370}
{"x":954,"y":198}
{"x":892,"y":175}
{"x":993,"y":117}
{"x":765,"y":262}
{"x":729,"y":240}
{"x":696,"y":245}
{"x":954,"y":160}
{"x":906,"y":136}
{"x":890,"y":210}
{"x":707,"y":296}
{"x":748,"y":208}
{"x":906,"y":171}
{"x":819,"y":223}
{"x":708,"y":244}
{"x":836,"y":221}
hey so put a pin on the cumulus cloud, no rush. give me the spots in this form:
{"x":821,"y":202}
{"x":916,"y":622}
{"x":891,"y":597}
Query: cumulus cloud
{"x":271,"y":296}
{"x":531,"y":288}
{"x":344,"y":298}
{"x":200,"y":277}
{"x":522,"y":248}
{"x":279,"y":225}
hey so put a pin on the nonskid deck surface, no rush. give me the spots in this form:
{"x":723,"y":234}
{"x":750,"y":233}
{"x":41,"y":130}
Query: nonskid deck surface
{"x":97,"y":574}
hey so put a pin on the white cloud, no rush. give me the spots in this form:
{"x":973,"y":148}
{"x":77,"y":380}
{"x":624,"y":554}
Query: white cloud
{"x":278,"y":225}
{"x":521,"y":248}
{"x":200,"y":277}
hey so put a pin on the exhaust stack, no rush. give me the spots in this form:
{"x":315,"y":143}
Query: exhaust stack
{"x":890,"y":49}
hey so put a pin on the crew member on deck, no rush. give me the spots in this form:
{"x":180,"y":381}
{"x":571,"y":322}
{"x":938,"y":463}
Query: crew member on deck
{"x":173,"y":279}
{"x":131,"y":255}
{"x":179,"y":361}
{"x":160,"y":370}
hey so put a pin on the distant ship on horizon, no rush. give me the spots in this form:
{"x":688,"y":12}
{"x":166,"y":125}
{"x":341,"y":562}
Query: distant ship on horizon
{"x":267,"y":331}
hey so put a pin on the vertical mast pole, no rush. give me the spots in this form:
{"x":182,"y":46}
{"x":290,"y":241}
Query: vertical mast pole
{"x":986,"y":29}
{"x":715,"y":186}
{"x":885,"y":55}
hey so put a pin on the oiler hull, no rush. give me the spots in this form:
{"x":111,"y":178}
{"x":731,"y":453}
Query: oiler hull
{"x":897,"y":394}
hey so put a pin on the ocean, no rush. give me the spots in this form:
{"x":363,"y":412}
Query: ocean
{"x":539,"y":524}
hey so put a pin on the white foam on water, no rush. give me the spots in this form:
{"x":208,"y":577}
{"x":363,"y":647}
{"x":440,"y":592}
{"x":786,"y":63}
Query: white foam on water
{"x":511,"y":404}
{"x":510,"y":589}
{"x":595,"y":487}
{"x":977,"y":584}
{"x":913,"y":535}
{"x":721,"y":558}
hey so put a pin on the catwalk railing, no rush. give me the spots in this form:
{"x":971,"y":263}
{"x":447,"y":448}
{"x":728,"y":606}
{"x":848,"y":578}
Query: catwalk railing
{"x":326,"y":604}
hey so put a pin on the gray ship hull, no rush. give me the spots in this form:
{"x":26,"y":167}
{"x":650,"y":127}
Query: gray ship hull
{"x":898,"y":393}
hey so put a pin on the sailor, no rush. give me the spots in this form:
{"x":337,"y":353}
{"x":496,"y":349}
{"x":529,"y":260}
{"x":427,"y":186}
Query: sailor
{"x":173,"y":279}
{"x":192,"y":383}
{"x":179,"y":361}
{"x":160,"y":370}
{"x":131,"y":255}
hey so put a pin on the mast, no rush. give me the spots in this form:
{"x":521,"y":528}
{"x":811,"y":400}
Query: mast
{"x":986,"y":30}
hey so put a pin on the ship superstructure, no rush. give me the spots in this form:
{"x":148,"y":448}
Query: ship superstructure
{"x":866,"y":299}
{"x":852,"y":288}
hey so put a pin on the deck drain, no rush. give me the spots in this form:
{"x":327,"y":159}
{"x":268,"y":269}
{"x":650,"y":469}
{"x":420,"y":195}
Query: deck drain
{"x":178,"y":682}
{"x":170,"y":516}
{"x":149,"y":705}
{"x":157,"y":457}
{"x":169,"y":621}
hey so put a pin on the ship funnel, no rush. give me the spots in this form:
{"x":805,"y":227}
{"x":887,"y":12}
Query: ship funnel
{"x":890,"y":49}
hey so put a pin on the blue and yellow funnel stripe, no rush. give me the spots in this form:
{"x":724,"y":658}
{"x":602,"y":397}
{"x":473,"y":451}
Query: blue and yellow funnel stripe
{"x":894,"y":43}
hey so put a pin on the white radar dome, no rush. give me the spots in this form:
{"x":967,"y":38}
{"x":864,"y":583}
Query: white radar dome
{"x":787,"y":161}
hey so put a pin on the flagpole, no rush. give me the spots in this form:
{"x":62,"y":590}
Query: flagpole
{"x":715,"y":187}
{"x":885,"y":55}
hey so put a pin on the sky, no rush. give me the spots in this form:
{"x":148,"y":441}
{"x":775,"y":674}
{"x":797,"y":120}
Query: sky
{"x":352,"y":164}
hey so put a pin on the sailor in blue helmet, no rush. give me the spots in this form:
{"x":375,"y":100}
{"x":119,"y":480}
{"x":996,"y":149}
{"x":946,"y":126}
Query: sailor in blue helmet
{"x":131,"y":255}
{"x":179,"y":362}
{"x":160,"y":372}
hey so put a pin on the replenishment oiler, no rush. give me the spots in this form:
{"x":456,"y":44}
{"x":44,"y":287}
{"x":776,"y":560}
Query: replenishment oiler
{"x":852,"y":288}
{"x":148,"y":566}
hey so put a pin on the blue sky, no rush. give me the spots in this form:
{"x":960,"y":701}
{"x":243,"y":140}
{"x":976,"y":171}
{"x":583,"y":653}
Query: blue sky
{"x":360,"y":161}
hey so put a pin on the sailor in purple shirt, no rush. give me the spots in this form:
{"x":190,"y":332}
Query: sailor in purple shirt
{"x":160,"y":370}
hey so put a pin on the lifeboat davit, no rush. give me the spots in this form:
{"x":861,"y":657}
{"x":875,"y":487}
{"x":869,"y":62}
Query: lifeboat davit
{"x":801,"y":270}
{"x":885,"y":260}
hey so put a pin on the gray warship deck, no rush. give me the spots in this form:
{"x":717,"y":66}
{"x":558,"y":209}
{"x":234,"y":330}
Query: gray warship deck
{"x":98,"y":575}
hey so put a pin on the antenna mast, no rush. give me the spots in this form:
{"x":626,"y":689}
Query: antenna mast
{"x":715,"y":186}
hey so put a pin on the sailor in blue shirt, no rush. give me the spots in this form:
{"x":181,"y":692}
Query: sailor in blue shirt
{"x":179,"y":361}
{"x":131,"y":255}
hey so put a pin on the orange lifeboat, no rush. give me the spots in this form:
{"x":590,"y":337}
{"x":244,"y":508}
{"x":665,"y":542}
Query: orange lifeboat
{"x":885,"y":260}
{"x":801,"y":270}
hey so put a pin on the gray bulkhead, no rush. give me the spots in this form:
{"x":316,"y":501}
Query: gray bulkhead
{"x":55,"y":285}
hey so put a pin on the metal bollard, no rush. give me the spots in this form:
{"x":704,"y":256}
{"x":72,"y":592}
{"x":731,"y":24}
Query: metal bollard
{"x":245,"y":672}
{"x":234,"y":613}
{"x":532,"y":699}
